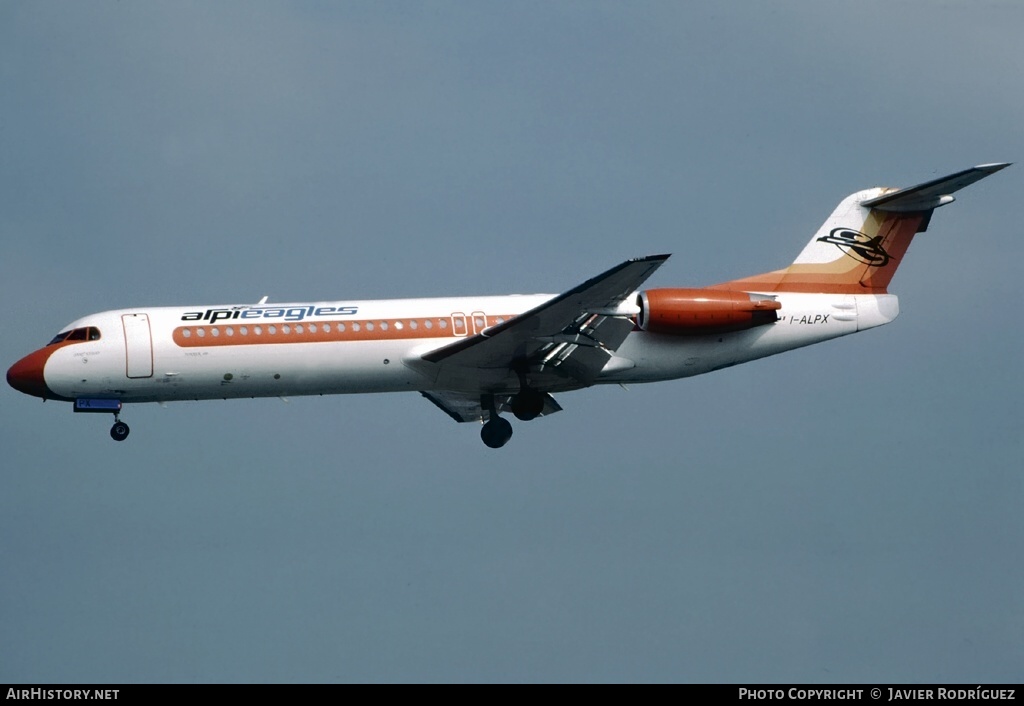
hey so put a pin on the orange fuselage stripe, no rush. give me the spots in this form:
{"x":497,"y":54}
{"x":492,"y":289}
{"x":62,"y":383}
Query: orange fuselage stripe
{"x":206,"y":335}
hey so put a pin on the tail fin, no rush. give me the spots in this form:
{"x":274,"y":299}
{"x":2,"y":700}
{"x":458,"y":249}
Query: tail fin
{"x":857,"y":250}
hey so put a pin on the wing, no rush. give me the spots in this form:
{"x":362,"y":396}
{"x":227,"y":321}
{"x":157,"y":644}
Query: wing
{"x":567,"y":339}
{"x":468,"y":407}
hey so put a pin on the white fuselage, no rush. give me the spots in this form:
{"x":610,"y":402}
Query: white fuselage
{"x":209,"y":352}
{"x":475,"y":358}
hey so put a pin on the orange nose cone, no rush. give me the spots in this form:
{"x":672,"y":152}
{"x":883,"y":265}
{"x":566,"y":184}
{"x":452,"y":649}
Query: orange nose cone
{"x":27,"y":375}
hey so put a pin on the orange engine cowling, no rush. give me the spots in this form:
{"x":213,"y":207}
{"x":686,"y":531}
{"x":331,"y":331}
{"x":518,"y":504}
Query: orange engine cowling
{"x":701,"y":311}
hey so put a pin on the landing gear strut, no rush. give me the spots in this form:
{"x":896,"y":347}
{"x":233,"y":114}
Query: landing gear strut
{"x":120,"y":430}
{"x":497,"y":431}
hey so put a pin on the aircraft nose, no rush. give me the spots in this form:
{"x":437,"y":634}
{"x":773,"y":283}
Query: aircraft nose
{"x":27,"y":375}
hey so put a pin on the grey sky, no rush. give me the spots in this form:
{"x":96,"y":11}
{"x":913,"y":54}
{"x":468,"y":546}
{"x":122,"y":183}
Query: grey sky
{"x":846,"y":512}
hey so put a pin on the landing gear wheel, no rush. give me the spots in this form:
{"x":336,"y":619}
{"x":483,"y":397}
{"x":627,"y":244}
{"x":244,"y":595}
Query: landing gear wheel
{"x":527,"y":404}
{"x":119,"y":432}
{"x":496,"y":432}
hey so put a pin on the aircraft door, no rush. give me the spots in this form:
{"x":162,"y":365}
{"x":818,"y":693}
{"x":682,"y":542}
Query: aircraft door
{"x":138,"y":345}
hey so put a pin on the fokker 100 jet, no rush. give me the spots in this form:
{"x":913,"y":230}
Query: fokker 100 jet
{"x":476,"y":357}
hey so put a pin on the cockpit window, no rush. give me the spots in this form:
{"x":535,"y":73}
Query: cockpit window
{"x":89,"y":333}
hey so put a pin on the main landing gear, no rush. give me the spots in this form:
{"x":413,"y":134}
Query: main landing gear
{"x":526,"y":404}
{"x":120,"y":430}
{"x":496,"y":432}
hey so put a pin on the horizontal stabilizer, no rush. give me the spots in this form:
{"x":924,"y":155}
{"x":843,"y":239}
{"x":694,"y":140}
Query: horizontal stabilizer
{"x":931,"y":194}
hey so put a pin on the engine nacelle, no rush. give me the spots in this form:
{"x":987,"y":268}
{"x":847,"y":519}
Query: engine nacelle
{"x":703,"y":311}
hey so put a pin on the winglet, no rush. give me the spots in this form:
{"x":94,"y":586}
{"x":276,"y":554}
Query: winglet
{"x":931,"y":194}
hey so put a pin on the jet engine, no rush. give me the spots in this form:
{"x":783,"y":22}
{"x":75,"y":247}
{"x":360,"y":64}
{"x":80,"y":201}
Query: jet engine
{"x":703,"y":311}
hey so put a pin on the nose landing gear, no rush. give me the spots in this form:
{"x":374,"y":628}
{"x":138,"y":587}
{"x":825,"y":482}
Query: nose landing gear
{"x":120,"y":430}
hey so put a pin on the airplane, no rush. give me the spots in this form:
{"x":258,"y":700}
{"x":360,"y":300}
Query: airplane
{"x":477,"y":357}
